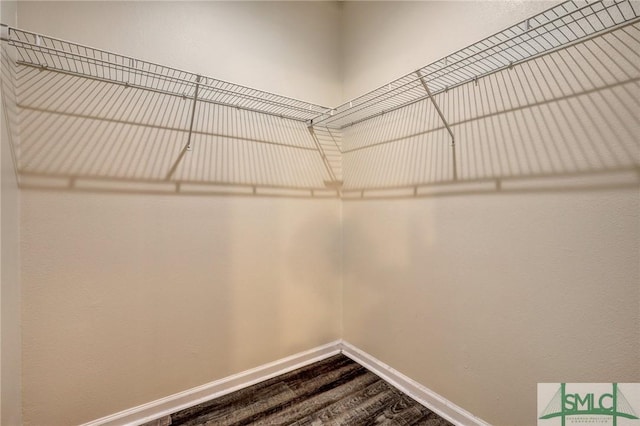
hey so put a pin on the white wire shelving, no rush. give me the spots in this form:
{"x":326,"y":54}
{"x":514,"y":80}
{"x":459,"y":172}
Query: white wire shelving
{"x":52,"y":54}
{"x":559,"y":27}
{"x":567,"y":23}
{"x":555,"y":28}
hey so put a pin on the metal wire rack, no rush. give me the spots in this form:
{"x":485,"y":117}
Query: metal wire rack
{"x":555,"y":28}
{"x":560,"y":26}
{"x":53,"y":54}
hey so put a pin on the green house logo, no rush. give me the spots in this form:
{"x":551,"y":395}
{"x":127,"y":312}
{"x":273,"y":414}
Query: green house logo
{"x":580,"y":405}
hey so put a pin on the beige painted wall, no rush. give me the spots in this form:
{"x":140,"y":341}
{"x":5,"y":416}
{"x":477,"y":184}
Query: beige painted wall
{"x":10,"y":345}
{"x":132,"y":297}
{"x":128,"y":298}
{"x":480,"y":297}
{"x":482,"y":294}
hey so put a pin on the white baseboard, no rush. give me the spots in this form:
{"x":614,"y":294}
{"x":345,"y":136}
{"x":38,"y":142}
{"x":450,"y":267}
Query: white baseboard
{"x":425,"y":396}
{"x":179,"y":401}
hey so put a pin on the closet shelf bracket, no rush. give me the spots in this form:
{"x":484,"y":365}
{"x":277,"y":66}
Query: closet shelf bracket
{"x":188,"y":146}
{"x":333,"y":181}
{"x":193,"y":113}
{"x":444,"y":121}
{"x":435,"y":105}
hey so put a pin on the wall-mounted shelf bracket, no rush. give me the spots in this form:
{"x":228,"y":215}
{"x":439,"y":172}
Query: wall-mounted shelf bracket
{"x":188,"y":146}
{"x":333,"y":180}
{"x":444,"y":121}
{"x":193,"y":112}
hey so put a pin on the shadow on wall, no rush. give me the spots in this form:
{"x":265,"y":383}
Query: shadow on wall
{"x":568,"y":114}
{"x":563,"y":121}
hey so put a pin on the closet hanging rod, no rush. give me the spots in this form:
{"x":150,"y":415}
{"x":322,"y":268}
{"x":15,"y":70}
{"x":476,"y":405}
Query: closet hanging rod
{"x":556,"y":28}
{"x":48,"y":53}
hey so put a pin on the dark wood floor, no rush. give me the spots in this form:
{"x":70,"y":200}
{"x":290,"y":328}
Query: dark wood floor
{"x":335,"y":391}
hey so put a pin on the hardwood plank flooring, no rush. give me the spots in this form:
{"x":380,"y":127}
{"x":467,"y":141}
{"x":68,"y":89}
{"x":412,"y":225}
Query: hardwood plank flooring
{"x":334,"y":391}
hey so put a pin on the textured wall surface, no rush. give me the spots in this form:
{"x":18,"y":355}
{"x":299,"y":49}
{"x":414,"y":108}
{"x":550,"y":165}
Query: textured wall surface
{"x":480,"y":297}
{"x":10,"y":352}
{"x":529,"y":274}
{"x":484,"y":287}
{"x":132,"y":297}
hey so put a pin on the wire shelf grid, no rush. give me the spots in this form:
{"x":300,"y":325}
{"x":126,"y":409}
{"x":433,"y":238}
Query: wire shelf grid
{"x":48,"y":53}
{"x":553,"y":29}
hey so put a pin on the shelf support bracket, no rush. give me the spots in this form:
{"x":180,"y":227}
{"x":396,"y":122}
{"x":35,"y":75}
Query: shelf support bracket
{"x":187,"y":147}
{"x":193,"y":112}
{"x":444,"y":121}
{"x":333,"y":182}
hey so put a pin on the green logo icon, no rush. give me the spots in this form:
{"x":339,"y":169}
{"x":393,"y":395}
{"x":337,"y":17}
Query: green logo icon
{"x":564,"y":405}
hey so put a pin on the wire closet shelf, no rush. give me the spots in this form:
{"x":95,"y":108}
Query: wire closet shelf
{"x":555,"y":28}
{"x":567,"y":23}
{"x":52,"y":54}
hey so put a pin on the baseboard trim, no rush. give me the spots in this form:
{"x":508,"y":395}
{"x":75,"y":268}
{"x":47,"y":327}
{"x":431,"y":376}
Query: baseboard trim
{"x":425,"y":396}
{"x":179,"y":401}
